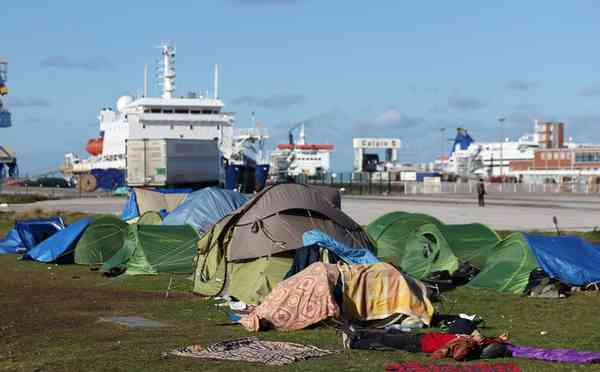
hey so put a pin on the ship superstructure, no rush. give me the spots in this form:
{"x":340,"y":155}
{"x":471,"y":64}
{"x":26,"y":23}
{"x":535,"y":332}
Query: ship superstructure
{"x":494,"y":159}
{"x":300,"y":158}
{"x":169,"y":116}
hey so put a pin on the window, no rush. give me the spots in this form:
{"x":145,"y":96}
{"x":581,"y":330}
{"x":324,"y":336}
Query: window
{"x":167,"y":111}
{"x":182,"y":111}
{"x":207,"y":111}
{"x":147,"y":110}
{"x":155,"y":110}
{"x":195,"y":112}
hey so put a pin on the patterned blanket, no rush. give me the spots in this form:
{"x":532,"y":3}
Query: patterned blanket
{"x":374,"y":292}
{"x":476,"y":367}
{"x":304,"y":299}
{"x":251,"y":349}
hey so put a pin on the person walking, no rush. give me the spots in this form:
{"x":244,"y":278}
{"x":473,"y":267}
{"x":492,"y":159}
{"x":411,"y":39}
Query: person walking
{"x":481,"y":192}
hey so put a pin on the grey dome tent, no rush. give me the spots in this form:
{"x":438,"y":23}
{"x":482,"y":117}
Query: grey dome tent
{"x":251,"y":249}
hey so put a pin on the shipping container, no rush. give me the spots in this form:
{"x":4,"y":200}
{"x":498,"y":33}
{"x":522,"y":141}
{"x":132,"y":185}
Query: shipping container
{"x":173,"y":162}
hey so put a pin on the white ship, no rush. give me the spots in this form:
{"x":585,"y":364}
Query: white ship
{"x":169,"y":116}
{"x":300,"y":158}
{"x":493,"y":159}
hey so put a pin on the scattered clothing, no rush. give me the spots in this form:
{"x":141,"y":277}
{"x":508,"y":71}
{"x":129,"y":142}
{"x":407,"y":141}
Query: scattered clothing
{"x":460,"y":349}
{"x":251,"y":349}
{"x":554,"y":355}
{"x":377,"y":339}
{"x":432,"y":341}
{"x":439,"y":345}
{"x":476,"y":367}
{"x":298,"y":302}
{"x":375,"y":292}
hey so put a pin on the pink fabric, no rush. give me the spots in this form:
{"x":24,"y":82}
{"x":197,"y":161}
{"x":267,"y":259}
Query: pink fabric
{"x":475,"y":367}
{"x":299,"y":301}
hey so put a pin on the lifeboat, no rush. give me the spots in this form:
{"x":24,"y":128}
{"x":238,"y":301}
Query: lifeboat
{"x":94,"y":146}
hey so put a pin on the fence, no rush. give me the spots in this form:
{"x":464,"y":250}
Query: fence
{"x":53,"y":192}
{"x":381,"y":184}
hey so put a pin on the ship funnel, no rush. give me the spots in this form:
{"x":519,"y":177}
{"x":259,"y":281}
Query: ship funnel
{"x":216,"y":82}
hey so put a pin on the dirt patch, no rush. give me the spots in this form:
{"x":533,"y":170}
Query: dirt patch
{"x":133,"y":321}
{"x":35,"y":302}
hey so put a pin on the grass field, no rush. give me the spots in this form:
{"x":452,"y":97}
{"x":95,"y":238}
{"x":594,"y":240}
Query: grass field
{"x":49,"y":322}
{"x":22,"y":198}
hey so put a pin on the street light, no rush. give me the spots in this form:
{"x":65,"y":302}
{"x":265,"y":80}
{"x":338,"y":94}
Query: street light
{"x":443,"y":134}
{"x":501,"y":121}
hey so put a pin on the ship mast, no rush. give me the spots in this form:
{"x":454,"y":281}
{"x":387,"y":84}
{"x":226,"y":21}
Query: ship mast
{"x":168,"y":67}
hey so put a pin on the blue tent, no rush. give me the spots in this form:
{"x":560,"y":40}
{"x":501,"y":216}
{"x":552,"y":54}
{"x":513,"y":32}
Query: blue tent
{"x":204,"y":207}
{"x":60,"y":244}
{"x":11,"y":243}
{"x":131,"y":210}
{"x":569,"y":259}
{"x":347,"y":254}
{"x":28,"y":233}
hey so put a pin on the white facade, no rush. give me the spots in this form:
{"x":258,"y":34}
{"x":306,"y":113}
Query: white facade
{"x":390,"y":145}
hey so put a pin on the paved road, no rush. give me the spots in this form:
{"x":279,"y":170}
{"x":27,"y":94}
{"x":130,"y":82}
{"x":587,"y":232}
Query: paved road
{"x":503,"y":213}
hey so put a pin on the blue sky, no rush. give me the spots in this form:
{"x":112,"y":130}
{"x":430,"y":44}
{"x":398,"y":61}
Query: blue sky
{"x":350,"y":68}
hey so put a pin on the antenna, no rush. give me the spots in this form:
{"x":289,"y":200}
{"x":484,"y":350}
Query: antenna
{"x":216,"y":82}
{"x":145,"y":80}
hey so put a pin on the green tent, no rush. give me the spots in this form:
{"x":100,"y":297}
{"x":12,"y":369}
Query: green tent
{"x":421,"y":244}
{"x":508,"y":268}
{"x":101,"y":240}
{"x":151,"y":249}
{"x":248,"y":280}
{"x":391,"y":232}
{"x":471,"y":243}
{"x":427,"y":251}
{"x":150,"y":218}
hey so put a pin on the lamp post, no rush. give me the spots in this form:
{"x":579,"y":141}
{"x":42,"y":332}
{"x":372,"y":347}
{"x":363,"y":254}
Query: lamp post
{"x":501,"y":122}
{"x":443,"y":134}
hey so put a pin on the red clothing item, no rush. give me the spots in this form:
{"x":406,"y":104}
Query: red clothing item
{"x":432,"y":341}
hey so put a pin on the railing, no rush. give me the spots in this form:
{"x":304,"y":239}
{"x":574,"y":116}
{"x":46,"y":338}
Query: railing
{"x":380,"y":184}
